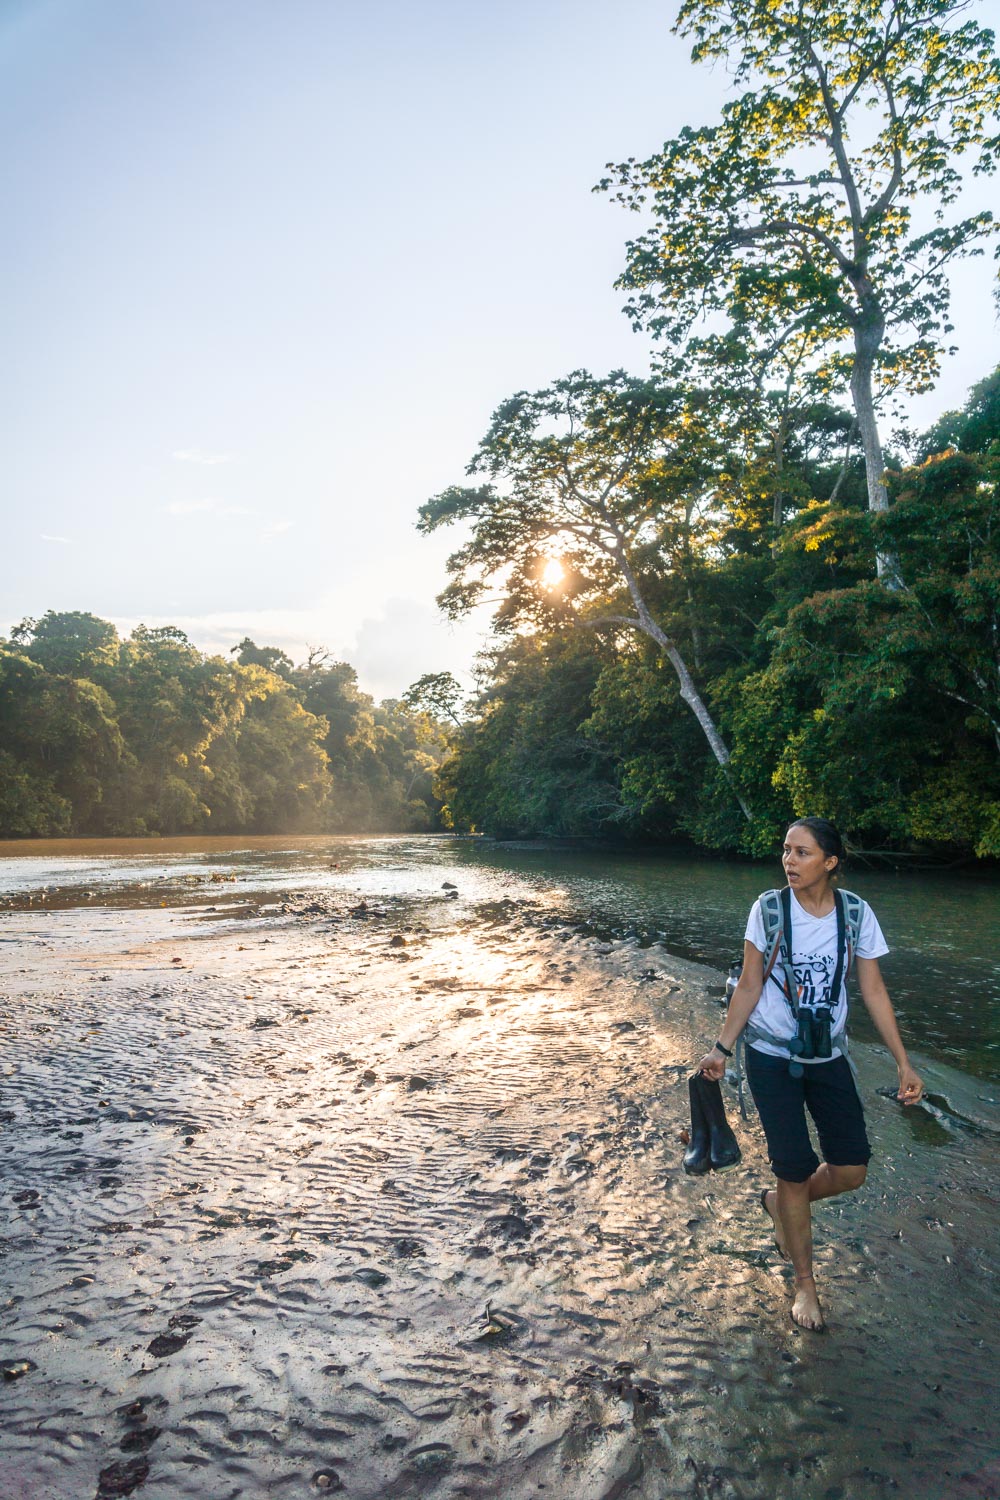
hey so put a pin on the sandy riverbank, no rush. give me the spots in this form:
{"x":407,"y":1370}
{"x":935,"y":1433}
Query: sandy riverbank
{"x":263,"y":1178}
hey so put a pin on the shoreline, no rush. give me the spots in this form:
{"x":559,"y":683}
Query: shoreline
{"x":899,"y":862}
{"x":392,"y":1201}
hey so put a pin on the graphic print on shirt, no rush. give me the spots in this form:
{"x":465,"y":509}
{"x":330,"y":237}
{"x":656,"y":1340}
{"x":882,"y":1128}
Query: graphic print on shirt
{"x":814,"y":978}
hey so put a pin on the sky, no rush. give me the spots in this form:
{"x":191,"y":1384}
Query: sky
{"x":267,"y":268}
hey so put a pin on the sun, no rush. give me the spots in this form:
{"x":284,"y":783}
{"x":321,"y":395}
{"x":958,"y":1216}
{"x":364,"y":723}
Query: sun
{"x":553,"y":573}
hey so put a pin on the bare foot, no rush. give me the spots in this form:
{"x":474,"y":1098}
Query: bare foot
{"x":769,"y":1203}
{"x":806,"y":1310}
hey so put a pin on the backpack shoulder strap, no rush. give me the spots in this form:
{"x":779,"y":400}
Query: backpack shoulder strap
{"x":770,"y":910}
{"x":854,"y":910}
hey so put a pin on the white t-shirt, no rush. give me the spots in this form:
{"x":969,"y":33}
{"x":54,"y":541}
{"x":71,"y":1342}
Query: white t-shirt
{"x":814,"y":961}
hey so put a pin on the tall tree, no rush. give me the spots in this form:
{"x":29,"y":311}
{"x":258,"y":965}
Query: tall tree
{"x":249,"y":654}
{"x":822,"y":203}
{"x":607,"y":482}
{"x":71,"y":642}
{"x":438,"y":694}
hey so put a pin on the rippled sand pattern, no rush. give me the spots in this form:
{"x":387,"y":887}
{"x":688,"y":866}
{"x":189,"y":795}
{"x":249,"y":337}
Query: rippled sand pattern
{"x":393,"y":1204}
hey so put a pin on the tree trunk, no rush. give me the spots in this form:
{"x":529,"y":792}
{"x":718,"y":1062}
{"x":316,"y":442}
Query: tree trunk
{"x":695,"y":632}
{"x":866,"y":343}
{"x":843,"y":468}
{"x":778,"y":515}
{"x":868,"y":333}
{"x":689,"y":692}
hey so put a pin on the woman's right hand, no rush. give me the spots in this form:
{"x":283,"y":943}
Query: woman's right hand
{"x":713,"y":1065}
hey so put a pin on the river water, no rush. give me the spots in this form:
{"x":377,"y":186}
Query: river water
{"x":943,"y":929}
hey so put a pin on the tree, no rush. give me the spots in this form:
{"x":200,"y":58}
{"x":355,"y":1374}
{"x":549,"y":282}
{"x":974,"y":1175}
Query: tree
{"x":974,"y":429}
{"x":172,"y":704}
{"x":283,"y":778}
{"x":436,"y":693}
{"x":772,"y":412}
{"x":819,"y":207}
{"x":881,"y":708}
{"x":608,"y":483}
{"x":248,"y":654}
{"x":525,"y":766}
{"x":411,"y":744}
{"x":945,"y":525}
{"x":62,"y":734}
{"x":70,"y":642}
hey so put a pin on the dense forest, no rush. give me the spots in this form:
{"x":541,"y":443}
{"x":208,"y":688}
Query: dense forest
{"x":724,"y":597}
{"x":833,"y":693}
{"x":149,"y":735}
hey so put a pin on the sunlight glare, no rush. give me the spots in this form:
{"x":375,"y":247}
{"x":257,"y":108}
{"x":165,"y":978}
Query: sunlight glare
{"x":553,"y":573}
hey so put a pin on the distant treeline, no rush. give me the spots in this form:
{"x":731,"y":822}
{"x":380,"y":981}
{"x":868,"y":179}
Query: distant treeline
{"x":148,"y":735}
{"x":877,"y":706}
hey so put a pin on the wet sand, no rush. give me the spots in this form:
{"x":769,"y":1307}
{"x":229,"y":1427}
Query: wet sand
{"x":389,"y":1201}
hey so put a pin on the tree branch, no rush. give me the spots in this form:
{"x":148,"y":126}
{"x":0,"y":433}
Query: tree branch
{"x":836,"y":140}
{"x":776,"y":227}
{"x":880,"y":205}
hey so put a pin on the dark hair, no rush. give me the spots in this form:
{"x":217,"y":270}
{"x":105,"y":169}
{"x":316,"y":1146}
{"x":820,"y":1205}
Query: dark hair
{"x":826,"y":836}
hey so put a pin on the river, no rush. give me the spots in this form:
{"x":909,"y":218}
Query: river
{"x":943,"y":928}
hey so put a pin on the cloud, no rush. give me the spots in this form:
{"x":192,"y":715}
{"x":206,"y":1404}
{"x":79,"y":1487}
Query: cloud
{"x":65,"y":540}
{"x":409,"y":639}
{"x":388,"y":652}
{"x":205,"y":507}
{"x":276,"y":528}
{"x":293,"y":630}
{"x":199,"y":456}
{"x":189,"y":507}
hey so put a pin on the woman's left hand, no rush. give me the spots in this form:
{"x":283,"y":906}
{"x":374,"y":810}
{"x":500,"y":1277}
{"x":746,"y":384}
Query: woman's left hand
{"x":911,"y":1088}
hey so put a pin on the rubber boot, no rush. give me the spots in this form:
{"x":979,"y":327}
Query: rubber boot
{"x":723,"y":1150}
{"x":697,"y":1155}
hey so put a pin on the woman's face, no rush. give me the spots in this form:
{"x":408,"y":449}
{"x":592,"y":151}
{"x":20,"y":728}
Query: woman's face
{"x":803,"y":860}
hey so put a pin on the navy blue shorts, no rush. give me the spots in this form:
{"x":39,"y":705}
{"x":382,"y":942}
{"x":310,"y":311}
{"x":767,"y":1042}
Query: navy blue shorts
{"x":828,"y":1092}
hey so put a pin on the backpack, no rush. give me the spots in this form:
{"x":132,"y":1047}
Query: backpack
{"x":771,"y":912}
{"x":850,"y":910}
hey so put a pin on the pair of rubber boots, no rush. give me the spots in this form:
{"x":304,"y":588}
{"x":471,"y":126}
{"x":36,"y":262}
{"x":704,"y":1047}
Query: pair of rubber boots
{"x":713,"y":1145}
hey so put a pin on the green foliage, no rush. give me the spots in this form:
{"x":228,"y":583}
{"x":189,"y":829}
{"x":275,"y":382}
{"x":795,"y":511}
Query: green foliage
{"x":281,"y":762}
{"x":148,"y":735}
{"x":526,"y":767}
{"x":817,"y":216}
{"x":436,"y":693}
{"x":728,"y":518}
{"x":62,"y":735}
{"x":30,"y":806}
{"x":877,"y":707}
{"x":71,"y":643}
{"x":975,"y":429}
{"x":249,"y":654}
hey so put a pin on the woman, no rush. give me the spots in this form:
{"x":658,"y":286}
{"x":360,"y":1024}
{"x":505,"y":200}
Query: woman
{"x":786,"y":1080}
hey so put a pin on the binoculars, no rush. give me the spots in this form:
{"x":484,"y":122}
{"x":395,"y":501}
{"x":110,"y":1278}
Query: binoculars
{"x":812,"y":1037}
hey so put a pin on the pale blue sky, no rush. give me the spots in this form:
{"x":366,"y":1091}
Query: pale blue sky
{"x":269,"y":265}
